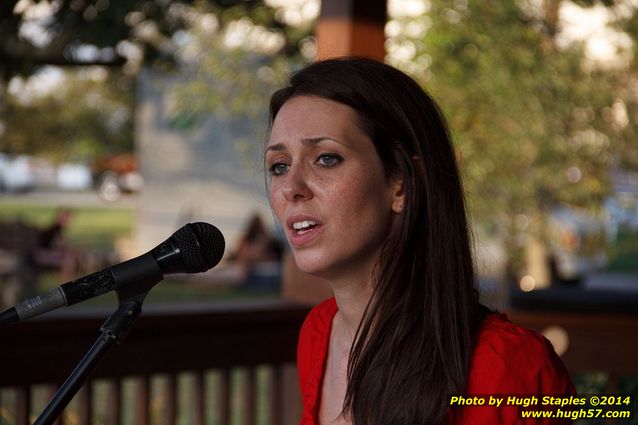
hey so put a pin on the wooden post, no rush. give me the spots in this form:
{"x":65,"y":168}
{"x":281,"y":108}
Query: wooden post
{"x":351,"y":28}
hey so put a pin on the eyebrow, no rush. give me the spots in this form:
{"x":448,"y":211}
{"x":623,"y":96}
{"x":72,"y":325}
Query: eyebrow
{"x":309,"y":141}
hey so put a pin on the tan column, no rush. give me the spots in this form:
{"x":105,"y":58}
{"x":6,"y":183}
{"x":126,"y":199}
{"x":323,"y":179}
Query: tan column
{"x":351,"y":28}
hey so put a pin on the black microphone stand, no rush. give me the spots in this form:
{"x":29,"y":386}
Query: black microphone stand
{"x":114,"y":330}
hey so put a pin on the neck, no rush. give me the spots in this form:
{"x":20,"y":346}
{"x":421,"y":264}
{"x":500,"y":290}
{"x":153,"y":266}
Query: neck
{"x":352,"y":287}
{"x":352,"y":299}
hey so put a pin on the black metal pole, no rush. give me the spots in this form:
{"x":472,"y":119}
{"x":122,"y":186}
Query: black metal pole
{"x":113,"y":330}
{"x":74,"y":382}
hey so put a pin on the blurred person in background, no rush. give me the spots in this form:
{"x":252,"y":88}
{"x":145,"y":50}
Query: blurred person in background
{"x":364,"y":181}
{"x":53,"y":250}
{"x":258,"y":256}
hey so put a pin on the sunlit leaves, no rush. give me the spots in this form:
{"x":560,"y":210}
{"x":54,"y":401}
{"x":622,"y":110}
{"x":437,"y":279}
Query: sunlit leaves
{"x":532,"y":124}
{"x":78,"y":120}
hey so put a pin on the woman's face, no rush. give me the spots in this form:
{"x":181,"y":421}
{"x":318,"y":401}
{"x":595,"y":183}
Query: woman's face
{"x":328,"y":188}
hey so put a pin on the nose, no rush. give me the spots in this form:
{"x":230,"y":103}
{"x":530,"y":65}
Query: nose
{"x":295,"y":187}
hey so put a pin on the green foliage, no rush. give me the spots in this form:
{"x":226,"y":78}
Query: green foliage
{"x":231,"y":84}
{"x":532,"y":123}
{"x":235,"y":80}
{"x":80,"y":120}
{"x":85,"y":119}
{"x":109,"y":26}
{"x":624,"y":252}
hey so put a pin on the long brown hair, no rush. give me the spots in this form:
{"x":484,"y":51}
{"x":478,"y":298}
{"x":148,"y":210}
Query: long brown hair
{"x":414,"y":344}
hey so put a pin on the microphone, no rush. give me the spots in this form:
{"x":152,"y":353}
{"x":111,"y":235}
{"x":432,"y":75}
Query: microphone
{"x":194,"y":248}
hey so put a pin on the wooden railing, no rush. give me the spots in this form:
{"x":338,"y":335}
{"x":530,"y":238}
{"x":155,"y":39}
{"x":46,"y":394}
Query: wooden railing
{"x":221,"y":364}
{"x":233,"y":362}
{"x":595,"y":342}
{"x":598,"y":329}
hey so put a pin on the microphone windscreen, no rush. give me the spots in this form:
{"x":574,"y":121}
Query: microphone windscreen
{"x":201,"y":246}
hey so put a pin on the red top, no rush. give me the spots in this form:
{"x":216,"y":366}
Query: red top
{"x":507,"y":360}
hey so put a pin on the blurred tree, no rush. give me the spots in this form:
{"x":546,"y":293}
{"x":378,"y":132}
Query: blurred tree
{"x":89,"y":114}
{"x":626,"y":109}
{"x":108,"y":32}
{"x":232,"y":69}
{"x":535,"y":123}
{"x":80,"y":117}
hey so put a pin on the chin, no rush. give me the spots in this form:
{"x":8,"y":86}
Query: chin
{"x":310,"y":264}
{"x":310,"y":268}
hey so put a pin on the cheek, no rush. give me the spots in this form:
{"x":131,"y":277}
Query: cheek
{"x":275,"y":198}
{"x":364,"y":197}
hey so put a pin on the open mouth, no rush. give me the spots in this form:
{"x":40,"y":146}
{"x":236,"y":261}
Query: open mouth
{"x":301,"y":227}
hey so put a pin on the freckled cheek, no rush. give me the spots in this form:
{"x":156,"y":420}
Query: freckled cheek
{"x":276,"y":198}
{"x":348,"y":199}
{"x":362,"y":188}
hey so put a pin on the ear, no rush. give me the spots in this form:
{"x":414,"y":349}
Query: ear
{"x":398,"y":194}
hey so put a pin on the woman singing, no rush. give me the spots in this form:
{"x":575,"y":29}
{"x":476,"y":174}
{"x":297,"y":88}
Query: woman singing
{"x":364,"y":180}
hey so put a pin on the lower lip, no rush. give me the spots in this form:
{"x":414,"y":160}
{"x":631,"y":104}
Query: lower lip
{"x":298,"y":240}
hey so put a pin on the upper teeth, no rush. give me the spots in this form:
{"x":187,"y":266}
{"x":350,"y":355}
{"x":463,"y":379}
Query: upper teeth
{"x":303,"y":224}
